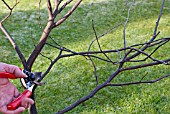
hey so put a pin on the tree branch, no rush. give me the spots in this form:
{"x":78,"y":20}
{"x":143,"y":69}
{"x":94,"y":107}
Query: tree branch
{"x":107,"y":83}
{"x":159,"y":18}
{"x":40,"y":45}
{"x":125,"y":24}
{"x":64,"y":5}
{"x":100,"y":48}
{"x":108,"y":31}
{"x":155,"y":34}
{"x":4,"y":30}
{"x":68,"y":14}
{"x":11,"y":10}
{"x":15,"y":46}
{"x":146,"y":65}
{"x":51,"y":65}
{"x":140,"y":82}
{"x":49,"y":8}
{"x":93,"y":53}
{"x":50,"y":25}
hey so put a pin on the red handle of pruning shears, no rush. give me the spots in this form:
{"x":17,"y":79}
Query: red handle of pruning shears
{"x":17,"y":102}
{"x":7,"y":75}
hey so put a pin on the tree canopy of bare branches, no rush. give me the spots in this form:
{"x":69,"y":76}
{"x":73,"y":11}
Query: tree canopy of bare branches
{"x":126,"y":54}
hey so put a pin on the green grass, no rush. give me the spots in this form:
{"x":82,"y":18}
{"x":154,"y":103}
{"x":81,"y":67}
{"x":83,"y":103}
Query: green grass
{"x":68,"y":80}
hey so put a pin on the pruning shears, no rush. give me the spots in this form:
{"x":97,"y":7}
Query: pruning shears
{"x":28,"y":83}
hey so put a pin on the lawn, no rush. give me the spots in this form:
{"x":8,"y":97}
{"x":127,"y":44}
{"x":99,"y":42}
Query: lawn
{"x":72,"y":78}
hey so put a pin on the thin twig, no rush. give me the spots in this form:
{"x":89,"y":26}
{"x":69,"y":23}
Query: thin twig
{"x":147,"y":55}
{"x":64,"y":5}
{"x":146,"y":65}
{"x":125,"y":24}
{"x":140,"y":82}
{"x":159,"y":17}
{"x":108,"y":31}
{"x":50,"y":12}
{"x":143,"y":76}
{"x":11,"y":10}
{"x":51,"y":65}
{"x":39,"y":14}
{"x":95,"y":70}
{"x":99,"y":43}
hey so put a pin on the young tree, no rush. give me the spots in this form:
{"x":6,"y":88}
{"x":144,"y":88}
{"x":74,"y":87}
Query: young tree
{"x":127,"y":54}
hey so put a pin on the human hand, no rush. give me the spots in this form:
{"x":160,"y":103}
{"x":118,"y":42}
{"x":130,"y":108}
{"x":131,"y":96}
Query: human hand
{"x":8,"y":92}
